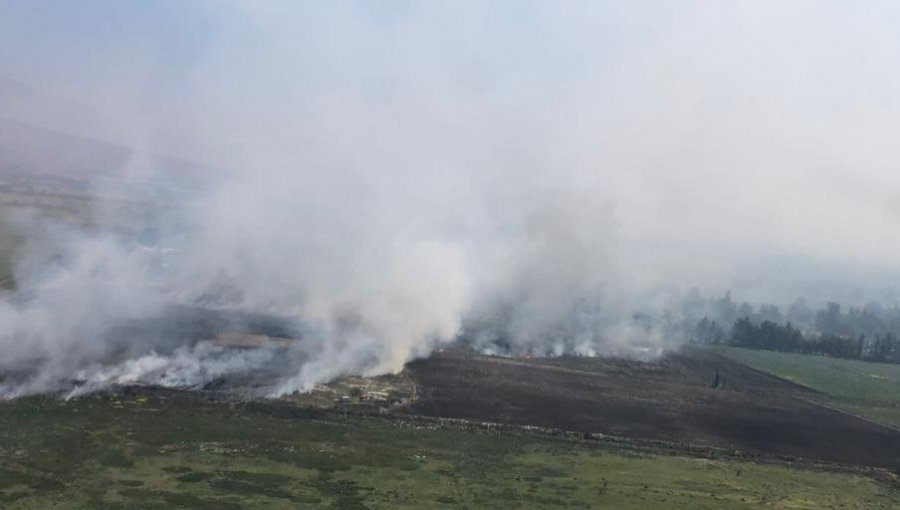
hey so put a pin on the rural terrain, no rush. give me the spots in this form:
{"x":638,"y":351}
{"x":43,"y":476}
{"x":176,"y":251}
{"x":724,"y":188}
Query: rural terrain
{"x":703,"y":427}
{"x":460,"y":430}
{"x":671,"y":400}
{"x":871,"y":390}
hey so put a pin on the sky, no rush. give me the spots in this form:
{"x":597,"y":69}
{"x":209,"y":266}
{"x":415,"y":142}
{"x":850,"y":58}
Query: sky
{"x":419,"y":159}
{"x":726,"y":127}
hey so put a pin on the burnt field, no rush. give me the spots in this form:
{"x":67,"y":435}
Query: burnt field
{"x":673,"y":399}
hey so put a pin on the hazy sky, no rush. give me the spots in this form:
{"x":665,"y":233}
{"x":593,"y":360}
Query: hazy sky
{"x":731,"y":131}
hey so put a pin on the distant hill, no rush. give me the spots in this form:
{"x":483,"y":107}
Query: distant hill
{"x":35,"y":107}
{"x":33,"y":150}
{"x":36,"y":151}
{"x":10,"y":88}
{"x":37,"y":137}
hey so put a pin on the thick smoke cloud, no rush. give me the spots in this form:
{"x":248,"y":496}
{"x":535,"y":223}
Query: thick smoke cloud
{"x":390,"y":178}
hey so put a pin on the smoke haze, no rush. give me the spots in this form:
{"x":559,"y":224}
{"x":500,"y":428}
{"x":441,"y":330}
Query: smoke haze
{"x":387,"y":178}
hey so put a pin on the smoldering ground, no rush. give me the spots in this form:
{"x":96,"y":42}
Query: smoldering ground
{"x":386,"y":179}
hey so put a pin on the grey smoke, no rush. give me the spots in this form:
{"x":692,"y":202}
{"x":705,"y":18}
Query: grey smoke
{"x":391,"y":178}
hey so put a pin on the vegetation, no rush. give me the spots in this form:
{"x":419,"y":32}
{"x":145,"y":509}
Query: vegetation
{"x":173,"y":450}
{"x":870,"y":320}
{"x":768,"y":335}
{"x":868,"y":389}
{"x":868,"y":333}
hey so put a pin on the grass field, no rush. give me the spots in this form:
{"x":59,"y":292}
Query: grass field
{"x":179,"y":451}
{"x":868,"y":389}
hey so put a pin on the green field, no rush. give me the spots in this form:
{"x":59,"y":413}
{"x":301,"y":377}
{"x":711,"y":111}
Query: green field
{"x":166,"y":451}
{"x":868,"y":389}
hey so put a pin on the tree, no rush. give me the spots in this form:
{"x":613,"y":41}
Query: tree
{"x":709,"y":332}
{"x":744,"y":333}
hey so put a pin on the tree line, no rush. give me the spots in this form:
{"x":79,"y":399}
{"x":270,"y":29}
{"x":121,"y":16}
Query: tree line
{"x":869,"y":332}
{"x":772,"y":336}
{"x":869,"y":319}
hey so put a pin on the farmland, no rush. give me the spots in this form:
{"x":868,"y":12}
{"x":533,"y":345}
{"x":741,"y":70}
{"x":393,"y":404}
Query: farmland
{"x":668,"y":400}
{"x":167,"y":449}
{"x":458,"y":430}
{"x":868,"y":389}
{"x":445,"y":255}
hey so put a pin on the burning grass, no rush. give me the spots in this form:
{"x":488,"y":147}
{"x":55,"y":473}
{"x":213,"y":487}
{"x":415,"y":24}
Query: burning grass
{"x":380,"y":394}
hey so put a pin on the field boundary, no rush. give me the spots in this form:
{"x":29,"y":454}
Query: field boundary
{"x":832,"y":407}
{"x":828,"y":403}
{"x":770,"y":375}
{"x":615,"y":443}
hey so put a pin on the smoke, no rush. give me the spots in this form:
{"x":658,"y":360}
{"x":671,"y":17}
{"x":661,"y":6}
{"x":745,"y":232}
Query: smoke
{"x":386,"y":179}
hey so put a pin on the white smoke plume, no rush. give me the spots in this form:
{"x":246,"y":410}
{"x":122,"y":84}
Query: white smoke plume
{"x":386,"y":178}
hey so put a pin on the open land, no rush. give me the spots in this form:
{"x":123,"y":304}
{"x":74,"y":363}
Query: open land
{"x":165,"y":449}
{"x":670,"y":400}
{"x":721,"y":428}
{"x":640,"y":435}
{"x":865,"y":388}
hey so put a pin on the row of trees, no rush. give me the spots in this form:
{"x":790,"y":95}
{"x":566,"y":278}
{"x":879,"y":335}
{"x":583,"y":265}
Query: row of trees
{"x":870,"y":319}
{"x":770,"y":335}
